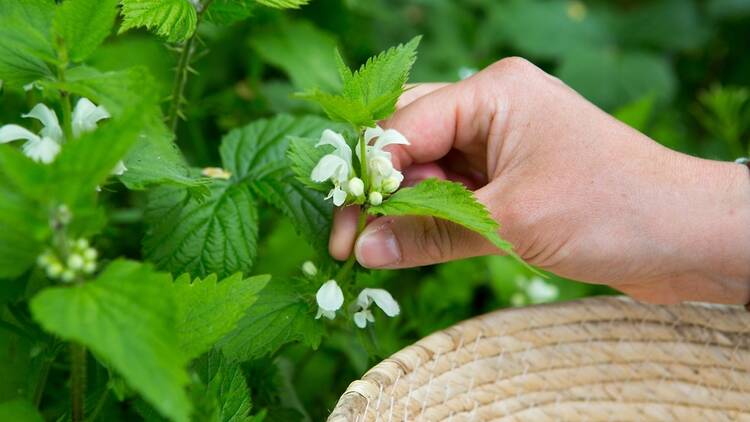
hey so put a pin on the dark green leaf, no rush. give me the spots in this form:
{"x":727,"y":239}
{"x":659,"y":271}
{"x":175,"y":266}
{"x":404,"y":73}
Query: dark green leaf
{"x":227,"y":12}
{"x":174,"y":20}
{"x":126,"y":317}
{"x":225,"y":384}
{"x":25,"y":40}
{"x":19,"y":411}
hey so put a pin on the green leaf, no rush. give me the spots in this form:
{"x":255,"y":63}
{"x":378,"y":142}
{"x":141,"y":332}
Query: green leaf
{"x":207,"y":309}
{"x":280,"y":315}
{"x":84,"y":24}
{"x":19,"y":411}
{"x":303,"y":52}
{"x":283,"y":4}
{"x":218,"y":234}
{"x":126,"y":317}
{"x":24,"y":222}
{"x":25,"y":41}
{"x":227,"y":12}
{"x":174,"y":20}
{"x":258,"y":150}
{"x":446,"y":200}
{"x":225,"y":384}
{"x":304,"y":156}
{"x":310,"y":213}
{"x":379,"y":82}
{"x":339,"y":108}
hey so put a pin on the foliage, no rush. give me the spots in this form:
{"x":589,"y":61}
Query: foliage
{"x":177,"y":322}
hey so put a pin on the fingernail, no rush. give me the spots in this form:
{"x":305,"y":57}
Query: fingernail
{"x":377,"y":247}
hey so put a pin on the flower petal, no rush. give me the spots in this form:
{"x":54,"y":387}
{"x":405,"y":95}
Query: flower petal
{"x":85,"y":116}
{"x":390,"y":137}
{"x":372,"y":133}
{"x":330,"y":167}
{"x":540,"y":291}
{"x":329,"y":296}
{"x":43,"y":150}
{"x":49,"y":119}
{"x":9,"y":133}
{"x":383,"y":299}
{"x":360,"y":320}
{"x":339,"y":196}
{"x":324,"y":313}
{"x":335,"y":139}
{"x":119,"y":169}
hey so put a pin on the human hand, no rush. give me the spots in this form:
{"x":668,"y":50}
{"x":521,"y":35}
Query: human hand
{"x":577,"y":192}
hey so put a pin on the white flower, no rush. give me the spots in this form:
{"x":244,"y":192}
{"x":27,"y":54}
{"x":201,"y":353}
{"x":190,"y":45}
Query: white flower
{"x":119,"y":169}
{"x":540,"y":291}
{"x":86,"y":115}
{"x":336,"y":166}
{"x":382,"y":299}
{"x":376,"y":198}
{"x":329,"y":298}
{"x":45,"y":146}
{"x":384,"y":177}
{"x":216,"y":173}
{"x":356,"y":186}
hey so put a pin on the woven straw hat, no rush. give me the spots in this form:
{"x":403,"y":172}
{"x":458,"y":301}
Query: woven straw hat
{"x":592,"y":359}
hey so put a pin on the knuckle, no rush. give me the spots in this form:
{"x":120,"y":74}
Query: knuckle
{"x":511,"y":66}
{"x":434,"y":239}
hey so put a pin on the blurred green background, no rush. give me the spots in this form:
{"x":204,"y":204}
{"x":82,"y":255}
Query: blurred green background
{"x":674,"y":69}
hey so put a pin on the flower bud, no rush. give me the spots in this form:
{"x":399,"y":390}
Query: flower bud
{"x":81,"y":244}
{"x":89,"y":267}
{"x":356,"y":187}
{"x":54,"y":270}
{"x":391,"y":184}
{"x":90,"y":254}
{"x":45,"y":259}
{"x":67,"y":276}
{"x":309,"y":269}
{"x":376,"y":198}
{"x":75,"y":261}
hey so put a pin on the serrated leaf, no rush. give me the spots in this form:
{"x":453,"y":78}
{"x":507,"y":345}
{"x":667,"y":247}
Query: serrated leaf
{"x":303,"y":52}
{"x":84,"y":24}
{"x":283,"y":4}
{"x":19,"y":410}
{"x":258,"y":149}
{"x":126,"y":317}
{"x":304,"y":156}
{"x":339,"y":108}
{"x":227,"y":12}
{"x":208,"y":309}
{"x":225,"y":384}
{"x":174,"y":20}
{"x":446,"y":200}
{"x":380,"y":81}
{"x":217,"y":234}
{"x":281,"y":315}
{"x":25,"y":41}
{"x":309,"y":212}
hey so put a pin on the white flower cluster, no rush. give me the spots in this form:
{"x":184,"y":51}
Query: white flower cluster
{"x":337,"y":167}
{"x":81,"y":260}
{"x":44,"y":146}
{"x":330,"y":299}
{"x":534,"y":290}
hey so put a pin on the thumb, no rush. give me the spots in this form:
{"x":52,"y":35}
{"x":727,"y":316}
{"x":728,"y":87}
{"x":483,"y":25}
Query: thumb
{"x":402,"y":242}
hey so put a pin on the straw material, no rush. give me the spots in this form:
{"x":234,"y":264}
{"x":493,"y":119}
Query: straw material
{"x":606,"y":358}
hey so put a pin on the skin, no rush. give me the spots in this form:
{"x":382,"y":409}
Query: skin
{"x":577,"y":192}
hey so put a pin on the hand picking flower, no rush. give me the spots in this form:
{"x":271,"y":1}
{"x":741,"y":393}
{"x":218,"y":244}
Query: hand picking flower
{"x":382,"y":299}
{"x":44,"y":146}
{"x":329,"y":298}
{"x":378,"y":180}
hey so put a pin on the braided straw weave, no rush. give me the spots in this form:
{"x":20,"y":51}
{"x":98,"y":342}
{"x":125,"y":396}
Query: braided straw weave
{"x":593,"y":359}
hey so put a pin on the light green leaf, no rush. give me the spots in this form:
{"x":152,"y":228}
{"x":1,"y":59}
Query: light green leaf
{"x":126,"y":317}
{"x":225,"y":385}
{"x":446,"y":200}
{"x":19,"y":411}
{"x":25,"y":41}
{"x":207,"y":309}
{"x":304,"y":156}
{"x":174,"y":20}
{"x":339,"y":108}
{"x":283,"y":4}
{"x":258,"y":149}
{"x":84,"y":24}
{"x":303,"y":52}
{"x":218,"y":234}
{"x":280,"y":315}
{"x":227,"y":12}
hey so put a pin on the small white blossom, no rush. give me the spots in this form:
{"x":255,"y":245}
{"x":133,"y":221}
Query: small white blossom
{"x":75,"y":261}
{"x":119,"y":169}
{"x":216,"y":173}
{"x":376,"y":198}
{"x":336,"y":166}
{"x":45,"y":146}
{"x":329,"y":298}
{"x":381,"y":298}
{"x":309,"y":269}
{"x":356,"y":186}
{"x":384,"y":177}
{"x":539,"y":291}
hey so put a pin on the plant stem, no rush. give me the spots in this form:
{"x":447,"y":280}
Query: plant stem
{"x":42,"y":381}
{"x":343,"y":273}
{"x":77,"y":380}
{"x":181,"y":72}
{"x":363,"y":161}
